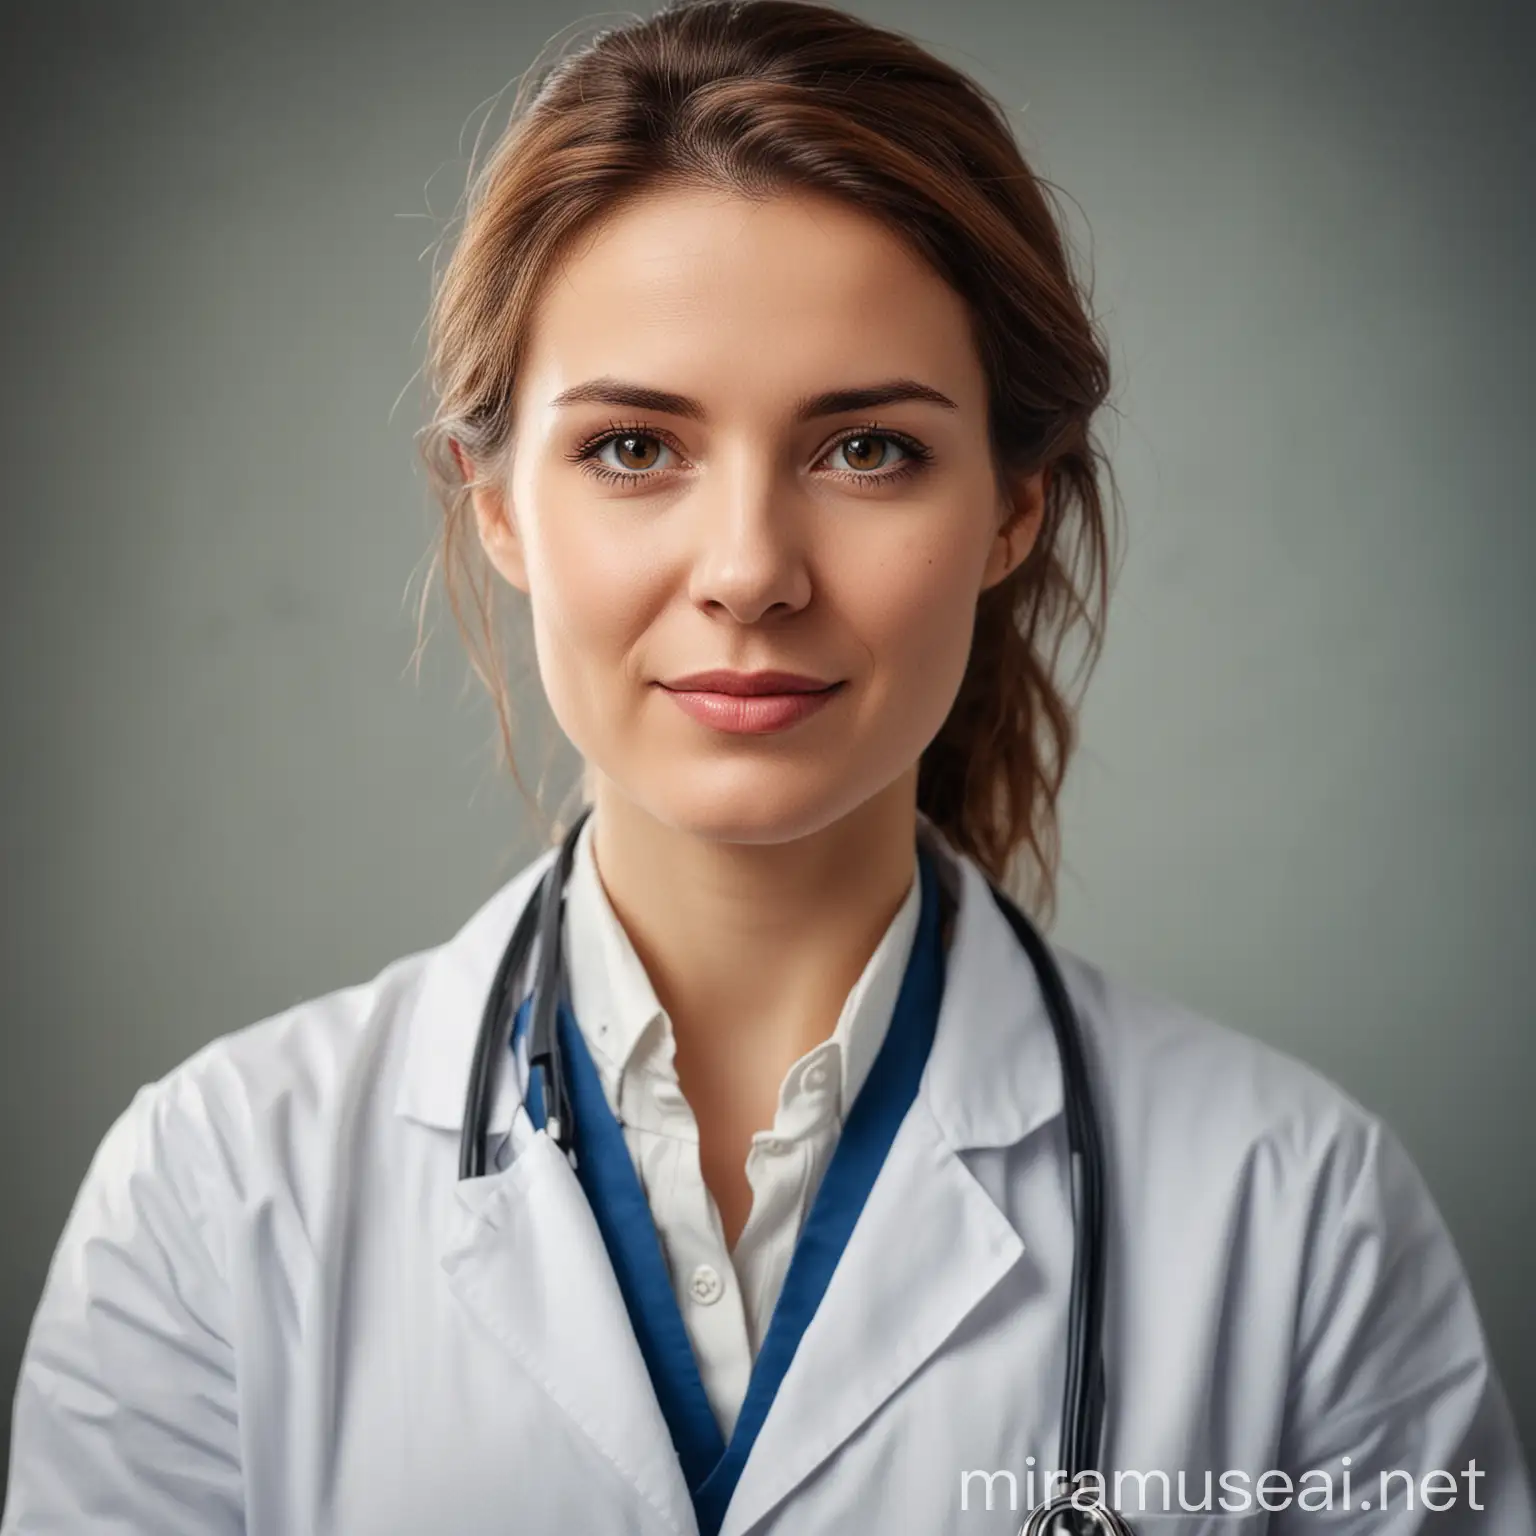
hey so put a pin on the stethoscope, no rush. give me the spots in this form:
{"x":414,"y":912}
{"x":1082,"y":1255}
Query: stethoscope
{"x":1083,"y":1399}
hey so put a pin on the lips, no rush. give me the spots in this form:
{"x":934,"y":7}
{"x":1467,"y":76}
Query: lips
{"x":750,"y":703}
{"x":748,"y":684}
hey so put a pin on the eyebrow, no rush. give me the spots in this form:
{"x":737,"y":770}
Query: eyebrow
{"x":832,"y":402}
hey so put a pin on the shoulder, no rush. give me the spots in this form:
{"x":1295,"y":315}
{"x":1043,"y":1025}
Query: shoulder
{"x":1243,"y":1172}
{"x":1222,"y":1142}
{"x":1181,"y":1086}
{"x":278,"y":1100}
{"x":221,"y":1124}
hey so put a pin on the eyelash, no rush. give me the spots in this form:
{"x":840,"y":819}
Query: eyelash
{"x":585,"y":454}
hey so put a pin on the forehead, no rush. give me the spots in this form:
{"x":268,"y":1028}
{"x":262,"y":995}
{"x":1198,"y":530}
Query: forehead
{"x":712,"y":292}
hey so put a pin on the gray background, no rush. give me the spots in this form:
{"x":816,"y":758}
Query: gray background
{"x":1302,"y":804}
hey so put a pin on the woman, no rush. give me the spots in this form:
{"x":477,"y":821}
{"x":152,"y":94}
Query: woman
{"x":761,"y":372}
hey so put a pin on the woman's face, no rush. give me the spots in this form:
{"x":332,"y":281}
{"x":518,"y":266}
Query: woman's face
{"x":687,"y":492}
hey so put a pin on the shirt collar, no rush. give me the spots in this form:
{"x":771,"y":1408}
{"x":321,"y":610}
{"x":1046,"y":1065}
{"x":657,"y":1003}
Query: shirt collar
{"x":616,"y":1006}
{"x":611,"y":995}
{"x":993,"y":1075}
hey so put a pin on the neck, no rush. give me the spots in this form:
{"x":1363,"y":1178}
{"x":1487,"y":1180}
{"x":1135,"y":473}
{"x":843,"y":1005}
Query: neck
{"x":753,"y":947}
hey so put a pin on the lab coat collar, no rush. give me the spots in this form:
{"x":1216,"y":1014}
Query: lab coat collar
{"x":444,"y":1016}
{"x":993,"y":1075}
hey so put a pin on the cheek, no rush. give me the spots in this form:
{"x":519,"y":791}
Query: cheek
{"x":915,"y":612}
{"x":591,"y":596}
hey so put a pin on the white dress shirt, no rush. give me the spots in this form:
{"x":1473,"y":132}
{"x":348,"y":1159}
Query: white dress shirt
{"x":726,"y":1296}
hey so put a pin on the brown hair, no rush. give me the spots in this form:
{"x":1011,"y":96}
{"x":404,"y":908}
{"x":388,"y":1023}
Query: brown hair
{"x":764,"y":97}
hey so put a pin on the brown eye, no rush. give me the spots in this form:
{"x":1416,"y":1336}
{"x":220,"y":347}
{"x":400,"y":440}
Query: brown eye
{"x":636,"y":451}
{"x":866,"y":451}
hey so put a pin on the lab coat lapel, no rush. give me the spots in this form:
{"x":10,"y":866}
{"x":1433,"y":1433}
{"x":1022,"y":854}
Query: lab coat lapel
{"x":928,"y":1248}
{"x":525,"y":1256}
{"x":931,"y":1243}
{"x":522,"y":1252}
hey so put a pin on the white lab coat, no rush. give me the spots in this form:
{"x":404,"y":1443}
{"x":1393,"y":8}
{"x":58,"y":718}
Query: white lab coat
{"x":276,"y":1310}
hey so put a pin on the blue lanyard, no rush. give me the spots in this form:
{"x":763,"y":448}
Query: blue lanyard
{"x":607,"y":1174}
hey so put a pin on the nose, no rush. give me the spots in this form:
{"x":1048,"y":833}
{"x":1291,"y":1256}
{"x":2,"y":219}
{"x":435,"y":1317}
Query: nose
{"x":750,"y":549}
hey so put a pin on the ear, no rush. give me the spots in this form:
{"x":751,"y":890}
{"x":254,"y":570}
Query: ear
{"x":1021,"y":512}
{"x":496,"y":526}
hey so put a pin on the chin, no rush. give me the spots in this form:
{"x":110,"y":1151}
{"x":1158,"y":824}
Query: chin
{"x":760,"y":805}
{"x":757,"y":804}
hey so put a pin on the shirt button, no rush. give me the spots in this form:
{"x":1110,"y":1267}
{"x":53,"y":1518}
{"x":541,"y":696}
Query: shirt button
{"x":815,"y":1077}
{"x":705,"y":1285}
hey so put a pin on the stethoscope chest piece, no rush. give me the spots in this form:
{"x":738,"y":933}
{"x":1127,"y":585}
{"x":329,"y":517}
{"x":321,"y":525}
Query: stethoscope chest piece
{"x":1062,"y":1516}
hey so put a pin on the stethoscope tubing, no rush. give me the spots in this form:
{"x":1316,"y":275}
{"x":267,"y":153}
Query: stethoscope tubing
{"x":1083,"y":1401}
